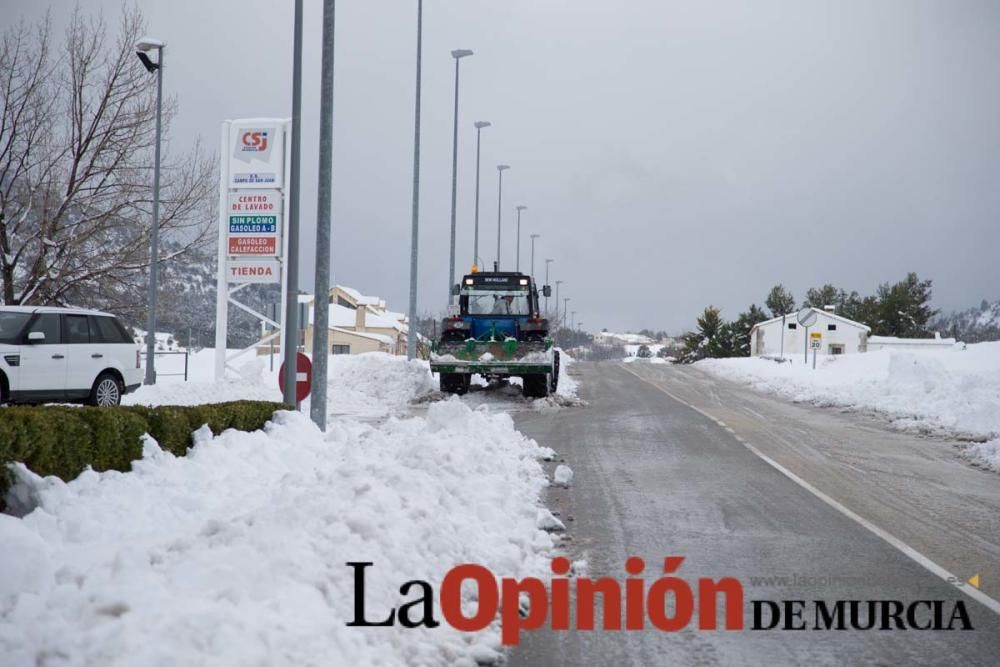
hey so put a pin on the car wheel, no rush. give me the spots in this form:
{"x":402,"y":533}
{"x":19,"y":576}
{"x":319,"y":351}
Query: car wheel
{"x":107,"y":391}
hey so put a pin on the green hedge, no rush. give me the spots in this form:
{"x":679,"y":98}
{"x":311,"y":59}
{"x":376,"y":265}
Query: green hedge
{"x":63,"y":440}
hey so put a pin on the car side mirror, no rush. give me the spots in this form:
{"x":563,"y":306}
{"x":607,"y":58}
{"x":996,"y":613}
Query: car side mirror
{"x":456,"y":289}
{"x":36,"y":337}
{"x":547,"y":291}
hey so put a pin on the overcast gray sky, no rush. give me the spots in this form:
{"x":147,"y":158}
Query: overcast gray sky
{"x":671,"y":154}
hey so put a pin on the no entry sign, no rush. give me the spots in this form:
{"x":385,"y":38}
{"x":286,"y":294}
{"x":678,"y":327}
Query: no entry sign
{"x":303,"y":377}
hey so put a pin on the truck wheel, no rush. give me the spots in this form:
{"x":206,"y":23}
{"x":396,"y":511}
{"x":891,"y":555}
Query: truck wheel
{"x":455,"y":383}
{"x":535,"y":386}
{"x":554,"y":383}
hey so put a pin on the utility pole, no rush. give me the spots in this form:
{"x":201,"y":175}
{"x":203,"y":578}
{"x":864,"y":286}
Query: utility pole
{"x":480,"y":124}
{"x":411,"y":334}
{"x":291,"y":333}
{"x":501,"y":168}
{"x":321,"y":304}
{"x":517,"y":253}
{"x":547,"y":262}
{"x":558,"y":283}
{"x":533,"y":237}
{"x":457,"y":54}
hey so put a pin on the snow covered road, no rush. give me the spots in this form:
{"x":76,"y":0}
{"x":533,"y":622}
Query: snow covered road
{"x":652,"y":477}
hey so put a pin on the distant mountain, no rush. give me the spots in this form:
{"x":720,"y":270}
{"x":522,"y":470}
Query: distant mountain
{"x":974,"y":325}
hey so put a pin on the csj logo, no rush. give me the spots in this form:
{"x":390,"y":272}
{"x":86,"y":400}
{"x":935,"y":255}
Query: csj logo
{"x":254,"y":143}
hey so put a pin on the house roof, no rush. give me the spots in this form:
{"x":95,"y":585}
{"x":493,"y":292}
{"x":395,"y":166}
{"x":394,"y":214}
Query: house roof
{"x":818,"y":311}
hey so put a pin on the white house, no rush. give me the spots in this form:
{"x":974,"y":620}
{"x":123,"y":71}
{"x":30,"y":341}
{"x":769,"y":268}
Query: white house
{"x":839,"y":335}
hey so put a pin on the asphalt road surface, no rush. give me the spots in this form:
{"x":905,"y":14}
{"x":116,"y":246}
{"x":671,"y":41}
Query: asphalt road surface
{"x":655,"y":477}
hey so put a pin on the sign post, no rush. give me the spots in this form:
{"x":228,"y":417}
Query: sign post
{"x":815,"y":342}
{"x":806,"y":317}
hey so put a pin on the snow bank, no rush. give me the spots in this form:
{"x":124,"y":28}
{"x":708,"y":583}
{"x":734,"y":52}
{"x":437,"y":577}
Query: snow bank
{"x":952,"y":391}
{"x":235,"y":553}
{"x":372,"y":385}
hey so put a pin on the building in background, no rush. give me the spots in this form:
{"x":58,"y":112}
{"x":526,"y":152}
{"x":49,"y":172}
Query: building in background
{"x":839,"y":335}
{"x":358,"y":324}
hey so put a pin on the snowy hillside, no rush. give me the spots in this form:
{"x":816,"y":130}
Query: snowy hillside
{"x":953,"y":392}
{"x":973,"y":325}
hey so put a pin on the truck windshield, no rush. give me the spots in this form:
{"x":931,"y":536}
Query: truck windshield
{"x":498,"y":302}
{"x":11,"y":325}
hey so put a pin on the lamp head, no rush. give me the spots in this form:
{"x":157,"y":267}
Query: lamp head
{"x":503,"y":167}
{"x":480,"y":124}
{"x":148,"y":44}
{"x":460,"y":53}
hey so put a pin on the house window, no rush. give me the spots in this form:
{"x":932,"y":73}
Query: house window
{"x":837,"y":349}
{"x":340,"y":349}
{"x":793,"y":325}
{"x":831,"y":327}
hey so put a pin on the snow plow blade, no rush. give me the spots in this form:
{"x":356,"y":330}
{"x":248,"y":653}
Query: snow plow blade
{"x":493,"y":358}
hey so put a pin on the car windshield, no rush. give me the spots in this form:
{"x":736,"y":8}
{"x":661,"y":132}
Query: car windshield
{"x":11,"y":325}
{"x":498,"y":302}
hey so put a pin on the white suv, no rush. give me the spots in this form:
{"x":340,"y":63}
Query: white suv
{"x":65,"y":354}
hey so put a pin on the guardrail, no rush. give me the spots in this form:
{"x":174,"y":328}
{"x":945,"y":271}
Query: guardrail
{"x":165,"y":353}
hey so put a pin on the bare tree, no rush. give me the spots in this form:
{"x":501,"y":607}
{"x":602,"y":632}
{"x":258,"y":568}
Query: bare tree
{"x":77,"y":128}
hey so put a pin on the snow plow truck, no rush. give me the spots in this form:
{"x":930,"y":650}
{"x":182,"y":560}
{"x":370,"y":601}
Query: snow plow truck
{"x":497,"y":331}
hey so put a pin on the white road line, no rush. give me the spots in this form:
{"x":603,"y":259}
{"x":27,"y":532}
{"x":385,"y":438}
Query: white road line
{"x":899,"y":544}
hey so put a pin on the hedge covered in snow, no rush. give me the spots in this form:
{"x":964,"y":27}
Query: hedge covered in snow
{"x":63,"y":440}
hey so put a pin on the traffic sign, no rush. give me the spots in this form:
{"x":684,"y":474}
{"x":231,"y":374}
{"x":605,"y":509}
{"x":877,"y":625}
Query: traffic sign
{"x":806,"y":317}
{"x":815,"y":340}
{"x":303,"y":377}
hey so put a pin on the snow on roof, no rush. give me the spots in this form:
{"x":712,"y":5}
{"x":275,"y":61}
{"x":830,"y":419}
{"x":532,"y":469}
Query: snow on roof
{"x":819,"y":311}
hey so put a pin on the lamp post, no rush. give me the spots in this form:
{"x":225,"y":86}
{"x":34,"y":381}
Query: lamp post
{"x":565,"y":305}
{"x":142,"y":47}
{"x":411,"y":334}
{"x":558,"y":283}
{"x":547,"y":262}
{"x":572,"y":318}
{"x":480,"y":124}
{"x":533,"y":237}
{"x":290,"y":335}
{"x":457,"y":54}
{"x":321,"y":305}
{"x":517,"y":253}
{"x":501,"y":168}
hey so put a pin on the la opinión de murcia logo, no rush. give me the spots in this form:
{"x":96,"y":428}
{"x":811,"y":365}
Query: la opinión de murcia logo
{"x":638,"y":607}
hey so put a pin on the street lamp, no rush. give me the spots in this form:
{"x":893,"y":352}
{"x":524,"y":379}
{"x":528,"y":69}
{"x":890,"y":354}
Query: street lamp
{"x":501,"y":168}
{"x":411,"y":335}
{"x":517,"y":262}
{"x":457,"y":54}
{"x":547,"y":262}
{"x":565,"y":304}
{"x":533,"y":237}
{"x":480,"y":124}
{"x":142,"y":49}
{"x":572,"y":318}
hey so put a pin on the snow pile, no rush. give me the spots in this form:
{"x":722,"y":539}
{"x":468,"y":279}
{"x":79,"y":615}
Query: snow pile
{"x":374,"y":384}
{"x":563,"y":476}
{"x":253,"y":383}
{"x":235,"y":554}
{"x":954,"y":391}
